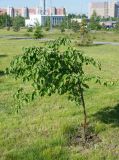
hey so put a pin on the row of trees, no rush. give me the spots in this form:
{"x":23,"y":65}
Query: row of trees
{"x":16,"y":22}
{"x":67,"y":23}
{"x":93,"y":24}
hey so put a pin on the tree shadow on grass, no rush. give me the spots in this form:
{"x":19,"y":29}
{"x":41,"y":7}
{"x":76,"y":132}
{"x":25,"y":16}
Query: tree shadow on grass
{"x":93,"y":45}
{"x":2,"y":73}
{"x":96,"y":45}
{"x":3,"y":55}
{"x":109,"y":115}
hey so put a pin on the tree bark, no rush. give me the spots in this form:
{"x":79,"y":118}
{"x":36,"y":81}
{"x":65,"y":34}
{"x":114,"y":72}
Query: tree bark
{"x":84,"y":112}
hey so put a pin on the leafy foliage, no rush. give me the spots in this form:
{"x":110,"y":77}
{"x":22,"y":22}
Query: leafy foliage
{"x":51,"y":70}
{"x":29,"y":29}
{"x":5,"y":20}
{"x":117,"y":26}
{"x":75,"y":26}
{"x":64,"y":24}
{"x":94,"y":22}
{"x":38,"y":33}
{"x":47,"y":24}
{"x":16,"y":28}
{"x":85,"y":37}
{"x":18,"y":22}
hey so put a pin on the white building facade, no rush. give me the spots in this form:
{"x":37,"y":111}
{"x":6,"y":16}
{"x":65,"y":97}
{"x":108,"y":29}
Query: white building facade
{"x":41,"y":19}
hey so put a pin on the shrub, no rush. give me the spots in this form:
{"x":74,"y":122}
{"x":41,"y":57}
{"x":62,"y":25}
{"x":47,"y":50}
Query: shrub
{"x":29,"y":29}
{"x":85,"y":37}
{"x":62,"y":30}
{"x":38,"y":33}
{"x":16,"y":28}
{"x":47,"y":28}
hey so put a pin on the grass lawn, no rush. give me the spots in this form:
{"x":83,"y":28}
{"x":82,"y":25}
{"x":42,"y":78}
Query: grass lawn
{"x":41,"y":130}
{"x":103,"y":36}
{"x":4,"y":31}
{"x":106,"y":36}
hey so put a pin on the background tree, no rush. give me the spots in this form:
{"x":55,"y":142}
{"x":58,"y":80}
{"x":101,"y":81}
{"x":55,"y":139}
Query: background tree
{"x":85,"y":37}
{"x":62,"y":27}
{"x":38,"y":33}
{"x":94,"y":22}
{"x":18,"y":22}
{"x":75,"y":26}
{"x":5,"y":21}
{"x":117,"y":26}
{"x":63,"y":24}
{"x":50,"y":70}
{"x":47,"y":24}
{"x":29,"y":29}
{"x":70,"y":16}
{"x":84,"y":16}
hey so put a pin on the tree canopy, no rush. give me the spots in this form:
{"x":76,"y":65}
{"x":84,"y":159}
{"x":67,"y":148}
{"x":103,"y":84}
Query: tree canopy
{"x":5,"y":20}
{"x":94,"y":22}
{"x":51,"y":70}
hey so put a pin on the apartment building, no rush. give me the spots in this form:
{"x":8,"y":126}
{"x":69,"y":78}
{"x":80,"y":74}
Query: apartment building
{"x":27,"y":12}
{"x":104,"y":9}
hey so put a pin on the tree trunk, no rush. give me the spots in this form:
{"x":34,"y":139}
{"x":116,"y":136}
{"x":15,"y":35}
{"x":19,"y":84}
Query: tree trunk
{"x":84,"y":112}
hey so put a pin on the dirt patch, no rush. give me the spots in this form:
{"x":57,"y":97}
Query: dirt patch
{"x":77,"y":138}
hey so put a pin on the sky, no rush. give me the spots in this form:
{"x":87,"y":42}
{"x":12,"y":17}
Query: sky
{"x":72,"y":6}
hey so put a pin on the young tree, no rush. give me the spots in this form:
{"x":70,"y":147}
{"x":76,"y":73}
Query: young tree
{"x":18,"y":22}
{"x":47,"y":24}
{"x":51,"y":70}
{"x":64,"y":24}
{"x":75,"y":26}
{"x":62,"y":27}
{"x":117,"y":26}
{"x":29,"y":29}
{"x":94,"y":22}
{"x":85,"y":37}
{"x":38,"y":33}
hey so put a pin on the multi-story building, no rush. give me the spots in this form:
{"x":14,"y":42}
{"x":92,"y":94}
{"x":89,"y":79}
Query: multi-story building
{"x":27,"y":12}
{"x":11,"y":11}
{"x":104,"y":9}
{"x":117,"y":9}
{"x":60,"y":11}
{"x":51,"y":11}
{"x":56,"y":16}
{"x":112,"y":9}
{"x":40,"y":15}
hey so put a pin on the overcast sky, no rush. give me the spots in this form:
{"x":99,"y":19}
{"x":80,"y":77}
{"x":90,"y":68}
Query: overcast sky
{"x":73,"y":6}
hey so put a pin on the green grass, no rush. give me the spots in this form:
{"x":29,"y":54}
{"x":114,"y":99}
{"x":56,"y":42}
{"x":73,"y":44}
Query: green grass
{"x":41,"y":130}
{"x":106,"y":36}
{"x":103,"y":36}
{"x":12,"y":33}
